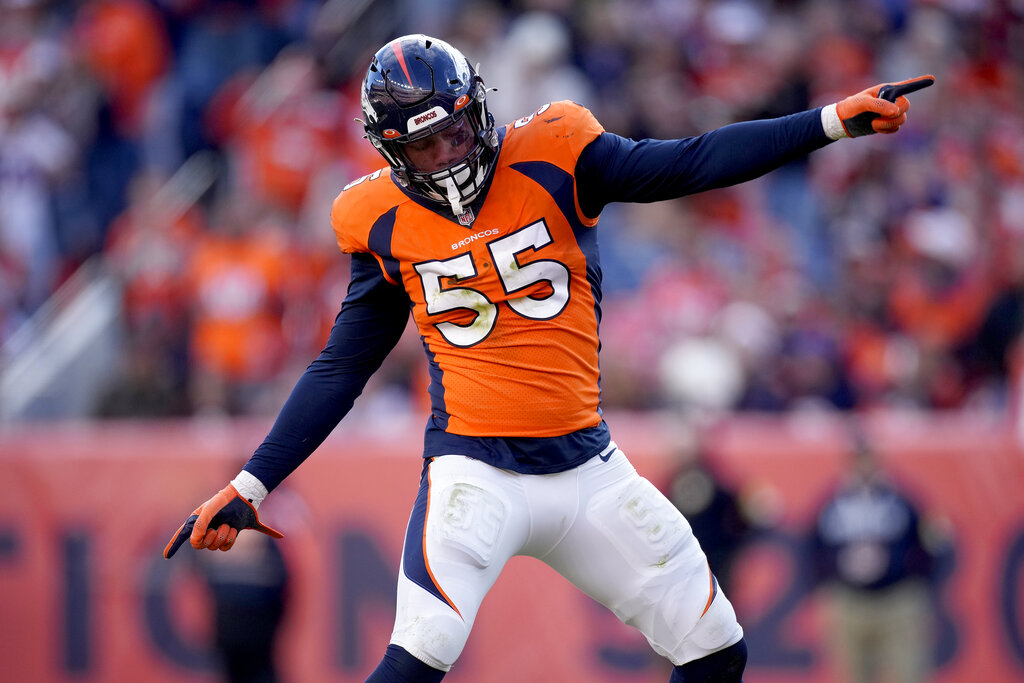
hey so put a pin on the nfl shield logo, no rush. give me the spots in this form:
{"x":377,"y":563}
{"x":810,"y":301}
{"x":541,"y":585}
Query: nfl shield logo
{"x":467,"y":217}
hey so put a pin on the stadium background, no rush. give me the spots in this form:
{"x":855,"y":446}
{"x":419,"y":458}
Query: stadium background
{"x":166,"y":272}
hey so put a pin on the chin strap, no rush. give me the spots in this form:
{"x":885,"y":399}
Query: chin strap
{"x":454,"y":198}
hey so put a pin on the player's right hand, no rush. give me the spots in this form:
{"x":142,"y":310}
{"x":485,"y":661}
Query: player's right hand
{"x":215,"y":524}
{"x":879,"y":109}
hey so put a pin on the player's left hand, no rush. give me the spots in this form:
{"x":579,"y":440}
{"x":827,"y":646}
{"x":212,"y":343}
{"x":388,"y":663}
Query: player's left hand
{"x":215,"y":524}
{"x":879,"y":109}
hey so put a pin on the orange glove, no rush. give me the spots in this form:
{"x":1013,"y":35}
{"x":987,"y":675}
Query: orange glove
{"x":215,"y":524}
{"x":879,"y":109}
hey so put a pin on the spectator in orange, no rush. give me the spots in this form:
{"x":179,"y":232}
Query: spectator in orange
{"x":148,"y":246}
{"x":237,"y":282}
{"x":939,"y":297}
{"x":282,"y":127}
{"x":125,"y":44}
{"x":940,"y":293}
{"x":993,"y":357}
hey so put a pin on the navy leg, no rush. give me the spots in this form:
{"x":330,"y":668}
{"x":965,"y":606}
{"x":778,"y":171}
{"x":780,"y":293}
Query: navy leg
{"x":724,"y":666}
{"x":398,"y":666}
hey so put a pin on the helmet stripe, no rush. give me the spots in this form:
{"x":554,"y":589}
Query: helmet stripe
{"x":397,"y":48}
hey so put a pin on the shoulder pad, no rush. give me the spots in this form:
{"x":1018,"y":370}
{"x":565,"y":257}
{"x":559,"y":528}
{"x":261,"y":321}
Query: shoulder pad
{"x":570,"y":123}
{"x":358,"y":206}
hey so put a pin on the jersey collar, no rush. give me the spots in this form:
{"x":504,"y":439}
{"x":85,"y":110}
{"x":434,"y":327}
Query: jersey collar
{"x":444,"y":210}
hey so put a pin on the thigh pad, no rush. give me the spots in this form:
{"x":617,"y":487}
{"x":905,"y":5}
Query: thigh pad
{"x":470,"y":519}
{"x":645,"y":527}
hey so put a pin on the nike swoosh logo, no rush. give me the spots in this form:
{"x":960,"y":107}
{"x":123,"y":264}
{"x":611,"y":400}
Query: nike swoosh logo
{"x":552,"y":119}
{"x":610,"y":454}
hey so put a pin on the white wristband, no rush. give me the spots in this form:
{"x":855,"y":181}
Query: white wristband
{"x":831,"y":123}
{"x":250,"y":488}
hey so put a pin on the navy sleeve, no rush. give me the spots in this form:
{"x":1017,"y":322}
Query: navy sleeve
{"x":372,"y":319}
{"x":617,"y":169}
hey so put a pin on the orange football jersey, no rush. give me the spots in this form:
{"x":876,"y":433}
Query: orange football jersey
{"x":507,"y":306}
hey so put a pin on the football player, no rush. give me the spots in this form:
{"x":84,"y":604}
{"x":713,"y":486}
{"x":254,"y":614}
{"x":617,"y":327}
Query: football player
{"x":486,"y":234}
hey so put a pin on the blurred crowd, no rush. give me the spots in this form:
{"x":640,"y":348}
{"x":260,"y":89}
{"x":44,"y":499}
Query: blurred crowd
{"x":193,"y":147}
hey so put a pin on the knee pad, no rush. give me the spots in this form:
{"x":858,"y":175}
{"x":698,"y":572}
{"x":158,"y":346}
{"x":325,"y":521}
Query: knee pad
{"x":436,"y":635}
{"x":717,"y":627}
{"x":723,"y":666}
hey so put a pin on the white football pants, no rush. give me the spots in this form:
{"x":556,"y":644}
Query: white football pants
{"x":601,"y":525}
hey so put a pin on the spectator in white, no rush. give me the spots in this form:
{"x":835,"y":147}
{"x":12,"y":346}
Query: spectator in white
{"x":533,"y":67}
{"x":34,"y":153}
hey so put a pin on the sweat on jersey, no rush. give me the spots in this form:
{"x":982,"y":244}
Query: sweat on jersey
{"x":508,"y":307}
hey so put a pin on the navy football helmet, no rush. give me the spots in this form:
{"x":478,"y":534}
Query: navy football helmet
{"x":418,"y":86}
